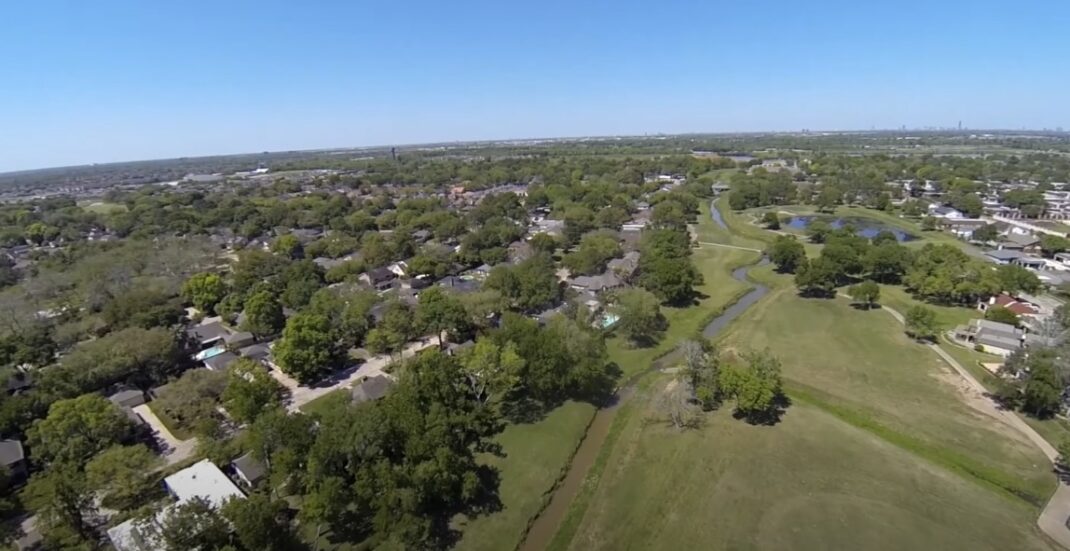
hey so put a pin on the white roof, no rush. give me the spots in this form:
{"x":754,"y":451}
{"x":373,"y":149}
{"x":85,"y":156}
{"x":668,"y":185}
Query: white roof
{"x":203,"y":480}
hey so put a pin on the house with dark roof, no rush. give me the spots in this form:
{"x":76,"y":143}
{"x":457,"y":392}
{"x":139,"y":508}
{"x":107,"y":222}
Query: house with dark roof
{"x":458,"y":284}
{"x":596,"y":283}
{"x":208,"y":335}
{"x":128,"y":399}
{"x":220,"y":362}
{"x":249,"y":470}
{"x":624,"y":267}
{"x":13,"y":457}
{"x":379,"y":279}
{"x":371,"y":389}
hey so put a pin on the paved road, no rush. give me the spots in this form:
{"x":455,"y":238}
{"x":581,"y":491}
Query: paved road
{"x":301,"y":395}
{"x":175,"y":450}
{"x":1052,"y":520}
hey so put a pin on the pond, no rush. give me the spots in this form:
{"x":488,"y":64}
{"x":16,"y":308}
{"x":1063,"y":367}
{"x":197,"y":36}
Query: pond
{"x":863,"y":226}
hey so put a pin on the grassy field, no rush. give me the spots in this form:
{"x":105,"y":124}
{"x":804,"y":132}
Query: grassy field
{"x":535,"y":458}
{"x":811,"y":482}
{"x":878,"y":451}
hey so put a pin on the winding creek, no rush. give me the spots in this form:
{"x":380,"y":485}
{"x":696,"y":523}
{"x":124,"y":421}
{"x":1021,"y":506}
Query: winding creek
{"x":548,"y":521}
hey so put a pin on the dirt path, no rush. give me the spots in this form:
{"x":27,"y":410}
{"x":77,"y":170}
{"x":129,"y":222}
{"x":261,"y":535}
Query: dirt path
{"x":1053,"y":517}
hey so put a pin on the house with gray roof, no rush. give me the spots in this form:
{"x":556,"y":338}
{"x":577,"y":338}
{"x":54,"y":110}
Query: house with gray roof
{"x":992,"y":336}
{"x":596,"y":283}
{"x":13,"y":457}
{"x":249,"y":470}
{"x":220,"y":362}
{"x":371,"y":389}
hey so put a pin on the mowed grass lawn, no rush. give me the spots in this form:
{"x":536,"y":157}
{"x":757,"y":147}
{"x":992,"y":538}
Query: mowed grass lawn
{"x":811,"y":482}
{"x":535,"y":457}
{"x":878,"y":451}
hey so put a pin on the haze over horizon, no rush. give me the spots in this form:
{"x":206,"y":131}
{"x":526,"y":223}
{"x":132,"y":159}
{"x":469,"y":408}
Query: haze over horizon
{"x":116,"y":81}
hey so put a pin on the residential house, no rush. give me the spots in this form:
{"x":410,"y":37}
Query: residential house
{"x":202,"y":480}
{"x":379,"y":279}
{"x":128,"y":399}
{"x":460,"y":285}
{"x":239,"y":339}
{"x":625,"y":267}
{"x":371,"y":389}
{"x":18,"y":382}
{"x":596,"y":283}
{"x":1018,"y":242}
{"x":249,"y":470}
{"x":13,"y":457}
{"x":421,"y":236}
{"x":208,"y":335}
{"x":220,"y":362}
{"x":519,"y":251}
{"x":399,"y":268}
{"x":1003,"y":256}
{"x":260,"y":352}
{"x":949,"y":213}
{"x":993,"y":337}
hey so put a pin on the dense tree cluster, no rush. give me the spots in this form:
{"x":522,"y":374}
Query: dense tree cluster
{"x":665,"y":265}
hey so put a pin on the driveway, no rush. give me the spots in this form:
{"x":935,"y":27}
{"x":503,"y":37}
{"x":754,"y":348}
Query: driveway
{"x":301,"y":394}
{"x":174,"y":450}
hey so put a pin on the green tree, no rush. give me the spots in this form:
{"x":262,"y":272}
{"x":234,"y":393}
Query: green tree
{"x":592,"y":254}
{"x":985,"y":233}
{"x":886,"y":262}
{"x":259,"y":522}
{"x":192,"y":524}
{"x":529,"y":286}
{"x":77,"y":429}
{"x":543,"y":243}
{"x":756,"y":387}
{"x":440,"y":312}
{"x":193,"y":399}
{"x":1015,"y":279}
{"x":702,"y":372}
{"x":1052,"y":244}
{"x":288,"y":246}
{"x":493,"y":371}
{"x":124,"y":474}
{"x":263,"y":315}
{"x":771,"y":221}
{"x":1043,"y":391}
{"x":1001,"y":315}
{"x":921,"y":323}
{"x":250,"y":391}
{"x":818,"y":230}
{"x":866,"y":293}
{"x":65,"y":508}
{"x":928,"y":224}
{"x":204,"y":290}
{"x":398,"y":327}
{"x":787,"y":253}
{"x":308,"y":349}
{"x":817,"y":278}
{"x":639,"y":316}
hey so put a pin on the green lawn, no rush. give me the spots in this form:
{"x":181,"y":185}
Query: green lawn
{"x":177,"y":430}
{"x":811,"y":482}
{"x":878,"y":451}
{"x":332,"y":400}
{"x":536,"y":456}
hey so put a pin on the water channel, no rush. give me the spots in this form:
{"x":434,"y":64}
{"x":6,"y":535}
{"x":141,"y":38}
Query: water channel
{"x":549,"y":520}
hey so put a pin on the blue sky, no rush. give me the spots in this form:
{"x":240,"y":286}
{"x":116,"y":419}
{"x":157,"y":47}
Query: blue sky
{"x":107,"y":80}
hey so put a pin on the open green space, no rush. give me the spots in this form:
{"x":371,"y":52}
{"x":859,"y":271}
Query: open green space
{"x":330,"y":401}
{"x":878,"y":451}
{"x":811,"y":482}
{"x":535,"y":457}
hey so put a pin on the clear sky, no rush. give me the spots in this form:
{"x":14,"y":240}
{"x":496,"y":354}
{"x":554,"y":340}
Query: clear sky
{"x":103,"y":80}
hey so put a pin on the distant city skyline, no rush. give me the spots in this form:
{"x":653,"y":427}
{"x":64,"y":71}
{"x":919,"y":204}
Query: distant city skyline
{"x":117,"y":81}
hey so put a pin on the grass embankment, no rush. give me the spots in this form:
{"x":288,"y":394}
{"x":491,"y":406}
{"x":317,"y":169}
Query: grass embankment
{"x":102,"y":207}
{"x":536,"y":456}
{"x":885,"y":455}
